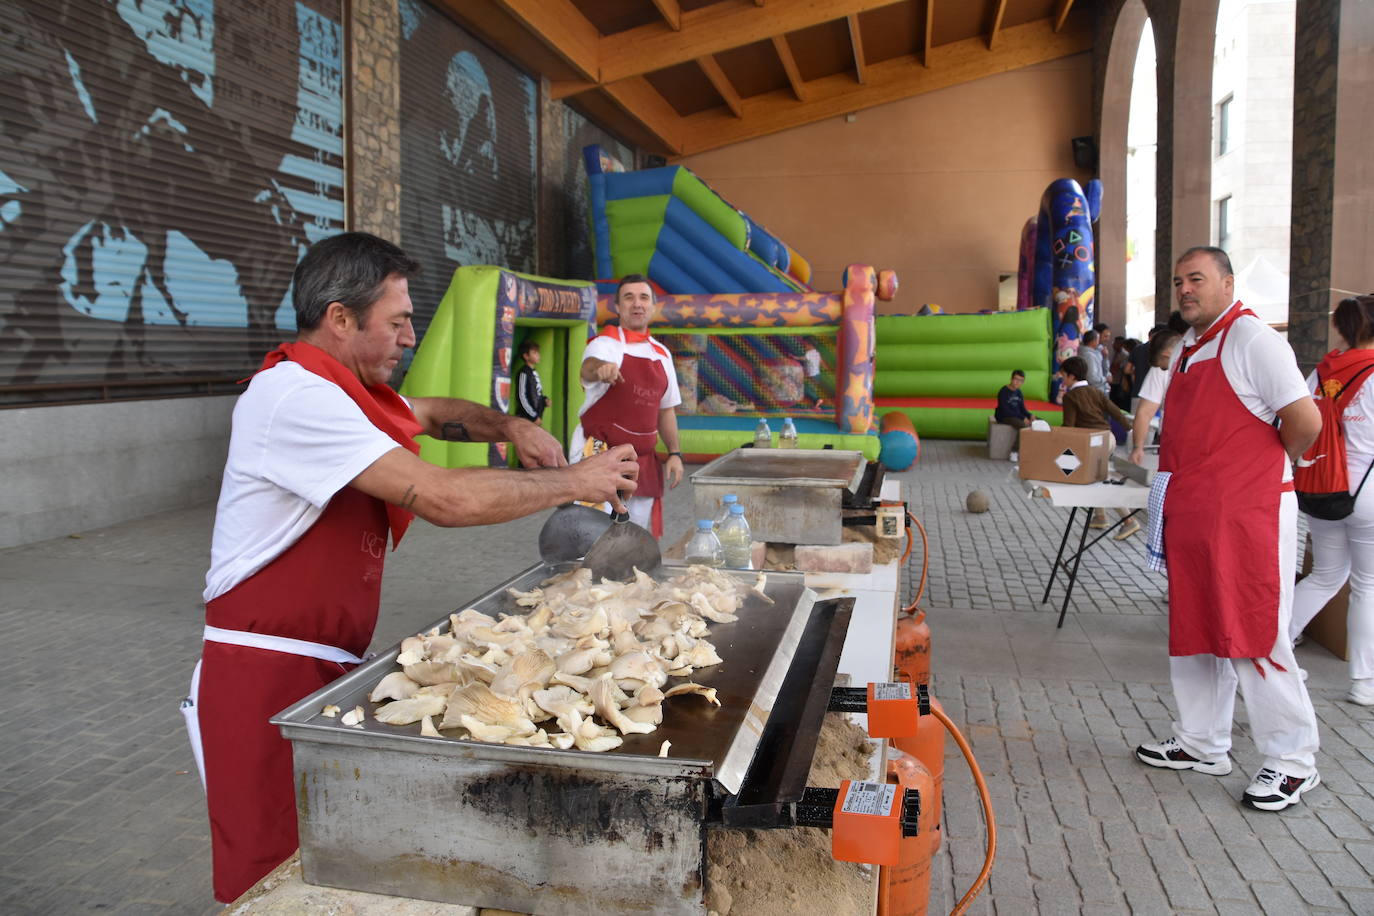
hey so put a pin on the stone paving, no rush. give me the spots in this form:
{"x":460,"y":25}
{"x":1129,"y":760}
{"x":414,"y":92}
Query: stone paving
{"x":101,"y":810}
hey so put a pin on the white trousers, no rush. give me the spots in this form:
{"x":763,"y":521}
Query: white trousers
{"x":1282,"y":720}
{"x":1343,"y":550}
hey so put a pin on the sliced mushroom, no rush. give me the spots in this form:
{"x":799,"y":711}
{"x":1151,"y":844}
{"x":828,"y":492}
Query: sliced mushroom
{"x":395,"y":686}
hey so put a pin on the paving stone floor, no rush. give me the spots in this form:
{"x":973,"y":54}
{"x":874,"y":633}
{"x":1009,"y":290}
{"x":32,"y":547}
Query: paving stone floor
{"x":101,"y":810}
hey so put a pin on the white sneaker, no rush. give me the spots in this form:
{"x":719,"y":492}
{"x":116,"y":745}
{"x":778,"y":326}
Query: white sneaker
{"x":1361,"y":691}
{"x":1273,"y":791}
{"x":1171,"y":755}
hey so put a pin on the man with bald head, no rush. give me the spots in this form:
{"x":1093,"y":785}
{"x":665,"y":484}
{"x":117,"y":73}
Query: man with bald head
{"x":1239,"y":413}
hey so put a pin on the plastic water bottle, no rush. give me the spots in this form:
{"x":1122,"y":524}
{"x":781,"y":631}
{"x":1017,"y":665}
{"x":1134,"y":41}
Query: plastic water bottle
{"x":704,"y":548}
{"x":788,"y":439}
{"x":736,"y":540}
{"x":763,"y":436}
{"x":726,"y":501}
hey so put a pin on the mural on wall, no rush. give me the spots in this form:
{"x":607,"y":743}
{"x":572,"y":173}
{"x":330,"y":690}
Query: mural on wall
{"x":163,"y":164}
{"x":579,"y":263}
{"x":468,"y":155}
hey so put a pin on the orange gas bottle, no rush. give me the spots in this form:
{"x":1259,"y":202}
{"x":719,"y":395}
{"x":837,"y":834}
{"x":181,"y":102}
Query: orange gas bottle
{"x":904,"y":888}
{"x":912,"y":654}
{"x":928,"y":746}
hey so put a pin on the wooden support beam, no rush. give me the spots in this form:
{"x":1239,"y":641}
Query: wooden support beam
{"x":996,"y":23}
{"x":887,"y":81}
{"x":562,"y":27}
{"x":671,"y":13}
{"x":930,"y":28}
{"x":722,"y":84}
{"x":711,"y":30}
{"x":856,"y":41}
{"x":566,"y":88}
{"x":1061,"y":13}
{"x":789,"y":65}
{"x":641,"y":101}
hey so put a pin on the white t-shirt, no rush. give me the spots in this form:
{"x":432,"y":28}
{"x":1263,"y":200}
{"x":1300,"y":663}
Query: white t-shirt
{"x":297,"y":440}
{"x":611,"y":350}
{"x":1156,"y":381}
{"x":1258,"y":363}
{"x":1358,"y":423}
{"x":812,"y":361}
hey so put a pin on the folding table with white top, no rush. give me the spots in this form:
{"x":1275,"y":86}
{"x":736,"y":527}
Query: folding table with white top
{"x":1106,"y":494}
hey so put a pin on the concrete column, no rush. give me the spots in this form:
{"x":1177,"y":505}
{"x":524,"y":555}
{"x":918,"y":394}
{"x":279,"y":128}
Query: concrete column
{"x":1332,"y":248}
{"x":1120,"y":34}
{"x":374,"y":119}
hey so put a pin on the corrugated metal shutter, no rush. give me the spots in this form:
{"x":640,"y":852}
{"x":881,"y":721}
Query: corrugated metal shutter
{"x":162,"y":167}
{"x":579,"y":132}
{"x":468,"y":155}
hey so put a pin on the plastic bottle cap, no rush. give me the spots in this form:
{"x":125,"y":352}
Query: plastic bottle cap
{"x":704,"y":523}
{"x":736,"y":509}
{"x":729,"y":498}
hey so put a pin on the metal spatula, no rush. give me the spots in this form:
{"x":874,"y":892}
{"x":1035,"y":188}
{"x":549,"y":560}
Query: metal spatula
{"x":623,"y":548}
{"x":570,"y":531}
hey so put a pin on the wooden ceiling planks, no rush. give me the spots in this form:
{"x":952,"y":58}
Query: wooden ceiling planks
{"x":692,"y":75}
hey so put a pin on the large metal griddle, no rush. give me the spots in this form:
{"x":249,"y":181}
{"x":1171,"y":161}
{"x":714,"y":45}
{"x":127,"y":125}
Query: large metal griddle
{"x":385,"y":810}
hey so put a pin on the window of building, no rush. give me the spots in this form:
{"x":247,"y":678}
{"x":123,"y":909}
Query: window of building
{"x":1224,"y":126}
{"x":1224,"y":223}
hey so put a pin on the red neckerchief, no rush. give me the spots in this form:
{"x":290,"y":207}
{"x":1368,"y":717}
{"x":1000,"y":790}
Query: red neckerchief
{"x":1338,"y":369}
{"x":1235,"y":311}
{"x":384,"y":409}
{"x":627,"y":336}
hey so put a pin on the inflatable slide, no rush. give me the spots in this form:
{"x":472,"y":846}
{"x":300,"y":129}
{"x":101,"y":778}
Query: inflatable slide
{"x":668,"y":225}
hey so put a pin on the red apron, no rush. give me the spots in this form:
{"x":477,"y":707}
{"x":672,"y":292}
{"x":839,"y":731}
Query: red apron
{"x":324,"y":589}
{"x":627,"y":414}
{"x":1221,"y":512}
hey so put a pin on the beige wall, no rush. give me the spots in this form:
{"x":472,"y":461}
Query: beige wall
{"x":936,"y":187}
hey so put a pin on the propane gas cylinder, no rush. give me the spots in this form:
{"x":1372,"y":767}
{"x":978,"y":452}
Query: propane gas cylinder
{"x":904,"y":888}
{"x":912,"y":653}
{"x":928,"y":746}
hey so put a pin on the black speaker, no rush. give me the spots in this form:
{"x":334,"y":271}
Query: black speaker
{"x":1085,"y":153}
{"x":652,"y":161}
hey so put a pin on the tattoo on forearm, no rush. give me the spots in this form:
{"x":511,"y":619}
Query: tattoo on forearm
{"x":408,"y":500}
{"x":454,"y":431}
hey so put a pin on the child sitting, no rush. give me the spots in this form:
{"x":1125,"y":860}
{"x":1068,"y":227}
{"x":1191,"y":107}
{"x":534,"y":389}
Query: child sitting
{"x":1086,"y":407}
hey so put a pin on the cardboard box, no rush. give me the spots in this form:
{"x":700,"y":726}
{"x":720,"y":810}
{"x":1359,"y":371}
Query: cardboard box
{"x":1066,"y":454}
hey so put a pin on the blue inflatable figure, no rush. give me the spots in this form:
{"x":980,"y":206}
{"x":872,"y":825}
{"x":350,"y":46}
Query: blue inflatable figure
{"x":1064,"y":276}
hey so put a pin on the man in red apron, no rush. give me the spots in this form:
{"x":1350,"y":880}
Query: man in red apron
{"x":631,"y":391}
{"x":1238,"y":413}
{"x":322,"y":468}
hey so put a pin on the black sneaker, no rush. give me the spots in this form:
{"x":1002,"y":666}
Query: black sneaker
{"x":1274,"y":791}
{"x":1171,"y":755}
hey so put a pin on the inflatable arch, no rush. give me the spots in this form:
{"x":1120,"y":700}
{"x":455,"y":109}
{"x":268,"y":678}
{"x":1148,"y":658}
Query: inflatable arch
{"x":467,"y":351}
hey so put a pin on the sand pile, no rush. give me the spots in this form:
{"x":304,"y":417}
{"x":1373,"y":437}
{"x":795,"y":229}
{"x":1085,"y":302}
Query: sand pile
{"x":784,"y":872}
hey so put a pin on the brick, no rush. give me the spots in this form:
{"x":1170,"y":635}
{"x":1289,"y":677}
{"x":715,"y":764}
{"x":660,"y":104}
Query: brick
{"x":840,"y":558}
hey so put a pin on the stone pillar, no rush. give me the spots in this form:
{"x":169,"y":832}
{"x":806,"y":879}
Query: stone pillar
{"x":1332,"y":248}
{"x":373,"y":138}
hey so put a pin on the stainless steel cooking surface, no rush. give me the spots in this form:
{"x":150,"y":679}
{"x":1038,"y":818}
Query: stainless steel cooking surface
{"x":790,"y":496}
{"x":385,"y":810}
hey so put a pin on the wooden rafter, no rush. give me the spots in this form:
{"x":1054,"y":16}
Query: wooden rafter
{"x":789,"y":65}
{"x":562,"y":27}
{"x":1061,"y":13}
{"x":888,"y":81}
{"x":641,"y":101}
{"x":671,"y":13}
{"x":996,"y":23}
{"x":722,"y":83}
{"x":930,"y":29}
{"x":713,"y":29}
{"x":856,"y":41}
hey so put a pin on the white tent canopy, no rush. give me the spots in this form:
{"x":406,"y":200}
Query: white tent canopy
{"x":1264,"y":290}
